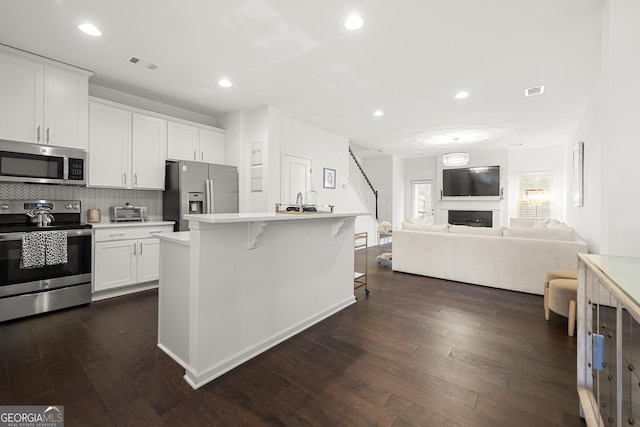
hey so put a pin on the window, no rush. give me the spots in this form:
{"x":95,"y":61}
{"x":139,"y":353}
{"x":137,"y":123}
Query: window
{"x":535,"y":194}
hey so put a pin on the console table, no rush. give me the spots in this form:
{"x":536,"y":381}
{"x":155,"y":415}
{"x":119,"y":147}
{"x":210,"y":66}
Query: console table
{"x":608,"y":339}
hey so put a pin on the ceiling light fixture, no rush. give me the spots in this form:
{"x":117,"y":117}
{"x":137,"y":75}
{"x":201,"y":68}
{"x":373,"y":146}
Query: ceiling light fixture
{"x":455,"y":158}
{"x":225,"y":83}
{"x":90,"y":29}
{"x":378,"y":113}
{"x":354,"y":22}
{"x":461,"y":95}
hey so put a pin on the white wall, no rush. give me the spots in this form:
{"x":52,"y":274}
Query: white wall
{"x":380,"y":172}
{"x":608,"y":221}
{"x":149,"y":105}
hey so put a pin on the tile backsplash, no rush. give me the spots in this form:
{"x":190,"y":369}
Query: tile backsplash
{"x":91,"y":198}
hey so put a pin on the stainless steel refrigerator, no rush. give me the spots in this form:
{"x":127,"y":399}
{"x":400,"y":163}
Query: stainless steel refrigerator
{"x":196,"y":188}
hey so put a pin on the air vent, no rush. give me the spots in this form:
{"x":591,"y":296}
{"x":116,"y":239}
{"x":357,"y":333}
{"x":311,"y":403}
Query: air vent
{"x":533,"y":91}
{"x":143,"y":62}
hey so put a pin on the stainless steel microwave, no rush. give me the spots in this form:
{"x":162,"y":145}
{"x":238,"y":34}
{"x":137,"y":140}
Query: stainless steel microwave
{"x":43,"y":164}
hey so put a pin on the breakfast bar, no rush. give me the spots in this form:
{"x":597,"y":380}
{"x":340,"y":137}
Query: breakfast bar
{"x":236,"y":285}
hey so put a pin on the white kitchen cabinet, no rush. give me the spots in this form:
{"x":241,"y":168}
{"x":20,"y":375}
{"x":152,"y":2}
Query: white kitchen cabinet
{"x":42,"y":102}
{"x":195,"y":143}
{"x":126,"y":149}
{"x":212,"y":146}
{"x":109,"y":145}
{"x":127,"y":255}
{"x":148,"y":153}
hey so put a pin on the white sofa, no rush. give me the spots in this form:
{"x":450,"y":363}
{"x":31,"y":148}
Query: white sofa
{"x":516,"y":259}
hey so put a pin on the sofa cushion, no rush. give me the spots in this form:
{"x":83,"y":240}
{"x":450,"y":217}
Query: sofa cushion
{"x":479,"y":231}
{"x":554,"y":223}
{"x":425,"y":227}
{"x":521,"y":222}
{"x":567,"y":234}
{"x":541,"y":223}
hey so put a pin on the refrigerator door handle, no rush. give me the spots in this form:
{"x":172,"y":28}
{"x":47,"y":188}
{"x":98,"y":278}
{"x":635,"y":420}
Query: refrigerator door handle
{"x":211,"y":199}
{"x":207,"y":196}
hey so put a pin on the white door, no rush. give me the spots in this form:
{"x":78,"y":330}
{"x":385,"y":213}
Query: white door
{"x":65,"y":108}
{"x":115,"y":264}
{"x":148,"y":261}
{"x":212,"y":146}
{"x":422,"y":201}
{"x":109,"y":146}
{"x":182,"y":142}
{"x":296,"y":178}
{"x":148,"y":154}
{"x":21,"y":99}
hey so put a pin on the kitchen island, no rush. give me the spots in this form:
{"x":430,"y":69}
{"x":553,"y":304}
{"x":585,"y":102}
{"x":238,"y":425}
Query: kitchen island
{"x":236,"y":285}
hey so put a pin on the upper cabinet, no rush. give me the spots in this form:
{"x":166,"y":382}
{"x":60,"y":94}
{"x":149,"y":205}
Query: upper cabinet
{"x":126,"y":149}
{"x":195,"y":143}
{"x":42,"y":102}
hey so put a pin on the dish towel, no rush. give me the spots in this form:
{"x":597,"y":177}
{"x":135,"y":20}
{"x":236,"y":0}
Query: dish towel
{"x":42,"y":248}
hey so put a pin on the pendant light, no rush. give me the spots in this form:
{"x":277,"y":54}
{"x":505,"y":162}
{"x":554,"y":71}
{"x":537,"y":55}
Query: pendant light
{"x":455,"y":158}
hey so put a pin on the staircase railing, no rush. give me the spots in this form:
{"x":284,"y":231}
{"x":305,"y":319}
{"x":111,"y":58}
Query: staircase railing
{"x":363,"y":186}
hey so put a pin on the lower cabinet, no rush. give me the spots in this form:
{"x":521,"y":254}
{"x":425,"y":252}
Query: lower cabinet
{"x":126,"y":256}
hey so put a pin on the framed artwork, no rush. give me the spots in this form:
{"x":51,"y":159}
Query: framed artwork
{"x":578,"y":174}
{"x":329,"y":178}
{"x":256,"y":153}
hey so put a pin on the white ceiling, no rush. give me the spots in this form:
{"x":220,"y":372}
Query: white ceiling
{"x":409,"y":60}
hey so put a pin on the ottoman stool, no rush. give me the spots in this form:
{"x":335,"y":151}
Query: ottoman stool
{"x":555,"y":274}
{"x":562,"y":300}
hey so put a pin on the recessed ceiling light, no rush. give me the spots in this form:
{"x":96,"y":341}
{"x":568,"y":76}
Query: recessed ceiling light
{"x":378,"y":113}
{"x":461,"y":95}
{"x":90,"y":29}
{"x":354,"y":22}
{"x":225,"y":83}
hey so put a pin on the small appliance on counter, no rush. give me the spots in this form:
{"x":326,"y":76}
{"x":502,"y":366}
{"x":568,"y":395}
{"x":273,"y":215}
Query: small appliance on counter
{"x":128,"y":213}
{"x":303,"y":209}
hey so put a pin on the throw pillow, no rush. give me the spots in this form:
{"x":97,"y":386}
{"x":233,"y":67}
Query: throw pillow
{"x":541,"y":233}
{"x":425,"y":227}
{"x":554,"y":223}
{"x":521,"y":222}
{"x":478,"y":231}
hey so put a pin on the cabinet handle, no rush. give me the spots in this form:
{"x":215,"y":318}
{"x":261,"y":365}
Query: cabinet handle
{"x":48,"y":135}
{"x":135,"y":248}
{"x":135,"y":179}
{"x":116,"y":234}
{"x":194,"y":155}
{"x":140,"y":248}
{"x":202,"y":156}
{"x":38,"y":136}
{"x":124,"y":178}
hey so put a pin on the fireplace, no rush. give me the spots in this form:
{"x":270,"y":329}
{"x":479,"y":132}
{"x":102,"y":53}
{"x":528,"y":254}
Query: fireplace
{"x":472,"y":218}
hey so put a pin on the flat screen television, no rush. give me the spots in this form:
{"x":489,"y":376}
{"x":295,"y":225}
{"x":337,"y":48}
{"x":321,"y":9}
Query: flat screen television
{"x":478,"y":181}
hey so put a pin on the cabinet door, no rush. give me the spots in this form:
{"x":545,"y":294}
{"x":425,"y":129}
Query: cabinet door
{"x":109,"y":146}
{"x":148,"y":261}
{"x":66,"y":97}
{"x":212,"y":146}
{"x":115,"y":264}
{"x":182,"y":142}
{"x":149,"y":143}
{"x":21,"y":102}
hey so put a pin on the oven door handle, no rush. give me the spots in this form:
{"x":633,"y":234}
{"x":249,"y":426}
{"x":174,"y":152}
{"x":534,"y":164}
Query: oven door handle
{"x":70,"y":233}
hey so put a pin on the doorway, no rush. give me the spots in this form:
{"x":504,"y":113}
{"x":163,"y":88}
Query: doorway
{"x":422,"y":201}
{"x":296,"y":178}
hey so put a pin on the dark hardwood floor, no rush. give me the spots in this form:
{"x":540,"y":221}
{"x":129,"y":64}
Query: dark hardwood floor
{"x":416,"y":351}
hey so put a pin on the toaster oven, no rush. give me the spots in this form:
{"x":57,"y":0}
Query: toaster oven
{"x":128,"y":213}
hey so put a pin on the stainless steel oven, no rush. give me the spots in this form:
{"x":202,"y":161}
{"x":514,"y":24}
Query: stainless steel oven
{"x":32,"y":290}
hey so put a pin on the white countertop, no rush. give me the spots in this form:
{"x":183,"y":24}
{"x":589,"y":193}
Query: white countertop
{"x":179,"y":237}
{"x":130,"y":224}
{"x":265,"y":216}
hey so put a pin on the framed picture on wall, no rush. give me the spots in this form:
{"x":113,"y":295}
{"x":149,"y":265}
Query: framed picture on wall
{"x":329,"y":178}
{"x":578,"y":174}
